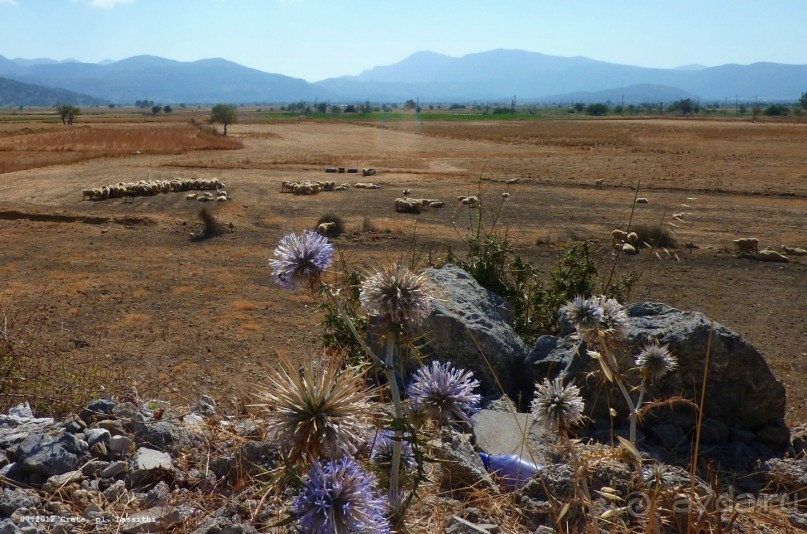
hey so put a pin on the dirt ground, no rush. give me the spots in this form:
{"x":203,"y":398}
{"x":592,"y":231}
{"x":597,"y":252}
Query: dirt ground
{"x":125,"y":284}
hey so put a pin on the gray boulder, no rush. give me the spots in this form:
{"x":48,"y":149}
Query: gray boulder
{"x":469,"y":326}
{"x":41,"y":454}
{"x":741,"y":392}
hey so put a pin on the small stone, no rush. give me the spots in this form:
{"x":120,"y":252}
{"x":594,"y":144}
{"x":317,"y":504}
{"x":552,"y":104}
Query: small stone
{"x":97,"y":410}
{"x":93,"y":467}
{"x":114,"y":469}
{"x":14,"y":499}
{"x":56,"y":483}
{"x":120,"y":444}
{"x":94,"y":435}
{"x":115,"y":492}
{"x":149,"y":464}
{"x":23,"y":411}
{"x":113,"y":426}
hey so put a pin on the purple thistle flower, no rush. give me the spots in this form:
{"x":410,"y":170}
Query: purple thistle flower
{"x":301,"y":260}
{"x":381,"y":452}
{"x":442,"y":392}
{"x":339,"y":497}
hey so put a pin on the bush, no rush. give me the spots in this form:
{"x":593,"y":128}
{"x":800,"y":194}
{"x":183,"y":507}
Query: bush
{"x":597,"y":109}
{"x":776,"y":110}
{"x":338,"y":226}
{"x":655,"y":236}
{"x":211,"y":226}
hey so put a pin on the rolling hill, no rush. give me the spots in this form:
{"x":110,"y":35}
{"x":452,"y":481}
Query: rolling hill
{"x":495,"y":75}
{"x":14,"y":94}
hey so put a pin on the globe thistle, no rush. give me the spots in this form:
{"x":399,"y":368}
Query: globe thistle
{"x":397,"y":295}
{"x":557,"y":406}
{"x":381,"y":452}
{"x":441,"y":392}
{"x":655,"y":361}
{"x":317,"y":411}
{"x":301,"y":260}
{"x":339,"y":497}
{"x":585,"y":314}
{"x":614,"y":321}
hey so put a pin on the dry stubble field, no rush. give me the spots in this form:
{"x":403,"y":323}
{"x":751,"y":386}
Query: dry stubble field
{"x":123,"y":286}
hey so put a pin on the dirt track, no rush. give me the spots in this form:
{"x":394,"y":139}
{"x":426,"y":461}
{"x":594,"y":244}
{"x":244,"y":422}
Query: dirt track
{"x":126,"y":283}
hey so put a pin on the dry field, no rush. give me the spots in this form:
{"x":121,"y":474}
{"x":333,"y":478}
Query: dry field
{"x":123,"y":284}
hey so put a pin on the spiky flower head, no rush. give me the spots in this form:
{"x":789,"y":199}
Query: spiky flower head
{"x":597,"y":319}
{"x":441,"y":392}
{"x":655,"y":475}
{"x":300,"y":261}
{"x":381,"y":452}
{"x":339,"y":497}
{"x":614,"y":321}
{"x":584,"y":314}
{"x":656,"y":360}
{"x":557,"y":406}
{"x":397,"y":295}
{"x":318,"y":410}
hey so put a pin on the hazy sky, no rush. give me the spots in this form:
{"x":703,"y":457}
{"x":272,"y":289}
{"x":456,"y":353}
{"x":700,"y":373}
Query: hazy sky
{"x":317,"y":39}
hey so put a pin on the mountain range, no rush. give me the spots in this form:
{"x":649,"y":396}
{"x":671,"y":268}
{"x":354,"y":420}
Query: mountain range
{"x":492,"y":76}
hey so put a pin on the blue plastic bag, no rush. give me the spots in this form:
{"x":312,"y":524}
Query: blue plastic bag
{"x":511,"y":469}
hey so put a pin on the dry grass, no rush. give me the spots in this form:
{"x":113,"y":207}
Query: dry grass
{"x":80,"y":143}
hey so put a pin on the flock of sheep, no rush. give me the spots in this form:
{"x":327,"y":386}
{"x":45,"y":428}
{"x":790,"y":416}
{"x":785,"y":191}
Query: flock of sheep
{"x":312,"y":188}
{"x":749,"y":247}
{"x":129,"y":190}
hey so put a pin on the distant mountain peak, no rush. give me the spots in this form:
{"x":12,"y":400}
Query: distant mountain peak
{"x":691,"y":66}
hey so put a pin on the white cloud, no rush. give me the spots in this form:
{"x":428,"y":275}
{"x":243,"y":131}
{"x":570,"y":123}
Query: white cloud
{"x":106,"y":4}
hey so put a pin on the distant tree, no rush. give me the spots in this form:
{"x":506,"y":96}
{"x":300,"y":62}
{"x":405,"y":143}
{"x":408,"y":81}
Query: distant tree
{"x":143,"y":104}
{"x":742,"y":109}
{"x":167,"y":109}
{"x":776,"y":110}
{"x":350,"y":108}
{"x":756,"y":109}
{"x":67,"y":113}
{"x":322,"y":107}
{"x":802,"y":102}
{"x":410,"y":104}
{"x":597,"y":109}
{"x":336,"y":110}
{"x":111,"y":106}
{"x":225,"y":114}
{"x":685,"y":106}
{"x":579,"y":107}
{"x":156,"y":109}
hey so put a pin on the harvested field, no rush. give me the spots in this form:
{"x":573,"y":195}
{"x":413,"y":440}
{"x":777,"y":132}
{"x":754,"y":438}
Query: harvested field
{"x":124,"y":283}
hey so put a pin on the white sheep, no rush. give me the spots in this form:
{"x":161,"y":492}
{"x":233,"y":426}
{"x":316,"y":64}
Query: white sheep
{"x":771,"y":255}
{"x":598,"y":182}
{"x":641,"y":200}
{"x":627,"y":248}
{"x":747,"y":245}
{"x":408,"y":205}
{"x":632,"y":238}
{"x":619,"y":236}
{"x":794,"y":251}
{"x":471,"y":202}
{"x":513,"y":180}
{"x":325,"y":228}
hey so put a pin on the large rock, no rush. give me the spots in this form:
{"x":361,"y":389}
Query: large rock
{"x":742,"y":394}
{"x":469,"y":327}
{"x":45,"y":455}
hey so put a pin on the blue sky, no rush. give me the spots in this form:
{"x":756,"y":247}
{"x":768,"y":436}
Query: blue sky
{"x":317,"y":39}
